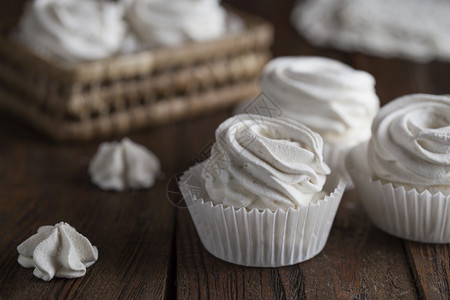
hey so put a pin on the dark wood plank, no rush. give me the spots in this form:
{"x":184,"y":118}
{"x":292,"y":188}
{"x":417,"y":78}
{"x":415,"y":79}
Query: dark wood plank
{"x":42,"y":183}
{"x":431,"y":267}
{"x":10,"y":10}
{"x":359,"y":261}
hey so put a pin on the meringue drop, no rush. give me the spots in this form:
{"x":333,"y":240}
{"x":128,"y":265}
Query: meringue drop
{"x":124,"y":165}
{"x":57,"y":251}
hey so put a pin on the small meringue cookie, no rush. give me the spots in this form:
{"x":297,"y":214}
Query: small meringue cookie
{"x":125,"y":165}
{"x":72,"y":31}
{"x":57,"y":251}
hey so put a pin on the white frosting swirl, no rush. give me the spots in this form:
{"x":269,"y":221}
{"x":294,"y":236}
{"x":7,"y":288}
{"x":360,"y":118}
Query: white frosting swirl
{"x":57,"y":251}
{"x":72,"y":30}
{"x":260,"y":162}
{"x":411,"y":141}
{"x":170,"y":23}
{"x":328,"y":96}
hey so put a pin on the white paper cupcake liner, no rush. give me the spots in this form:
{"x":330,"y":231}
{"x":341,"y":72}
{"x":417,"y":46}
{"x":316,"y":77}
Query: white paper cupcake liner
{"x":334,"y":156}
{"x":408,"y":214}
{"x":260,"y":239}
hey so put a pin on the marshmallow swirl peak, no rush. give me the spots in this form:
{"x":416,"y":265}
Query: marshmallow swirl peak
{"x":411,"y":141}
{"x":170,"y":23}
{"x":72,"y":30}
{"x":328,"y":96}
{"x":265,"y":163}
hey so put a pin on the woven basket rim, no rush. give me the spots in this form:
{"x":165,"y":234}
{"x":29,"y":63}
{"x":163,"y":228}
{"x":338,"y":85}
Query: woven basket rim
{"x":121,"y":122}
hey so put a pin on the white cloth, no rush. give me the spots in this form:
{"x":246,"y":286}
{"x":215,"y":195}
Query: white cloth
{"x":414,"y":29}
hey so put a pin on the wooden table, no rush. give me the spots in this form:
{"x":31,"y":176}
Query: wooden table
{"x":149,"y":248}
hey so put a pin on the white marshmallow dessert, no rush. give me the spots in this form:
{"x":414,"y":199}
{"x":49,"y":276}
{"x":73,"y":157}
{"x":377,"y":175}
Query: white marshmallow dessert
{"x":57,"y":251}
{"x":268,"y":164}
{"x":265,"y":197}
{"x":331,"y":98}
{"x":326,"y":95}
{"x":403,"y":173}
{"x":72,"y":31}
{"x":171,"y":23}
{"x":122,"y":166}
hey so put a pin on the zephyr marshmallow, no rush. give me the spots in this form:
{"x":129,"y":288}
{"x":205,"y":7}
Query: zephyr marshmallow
{"x":272,"y":163}
{"x":57,"y":251}
{"x":411,"y":142}
{"x":171,"y":23}
{"x":326,"y":95}
{"x":72,"y":30}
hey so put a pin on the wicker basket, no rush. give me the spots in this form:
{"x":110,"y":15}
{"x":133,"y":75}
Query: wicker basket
{"x":116,"y":95}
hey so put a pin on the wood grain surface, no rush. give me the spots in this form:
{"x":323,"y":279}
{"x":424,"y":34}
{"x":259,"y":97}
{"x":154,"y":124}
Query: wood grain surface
{"x":148,"y":247}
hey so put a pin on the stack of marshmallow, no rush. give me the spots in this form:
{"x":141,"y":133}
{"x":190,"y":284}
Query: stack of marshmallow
{"x":73,"y":31}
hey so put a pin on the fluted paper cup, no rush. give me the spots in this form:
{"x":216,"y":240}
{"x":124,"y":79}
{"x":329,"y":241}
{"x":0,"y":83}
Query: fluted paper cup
{"x":260,"y":238}
{"x":405,"y":213}
{"x":334,"y":156}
